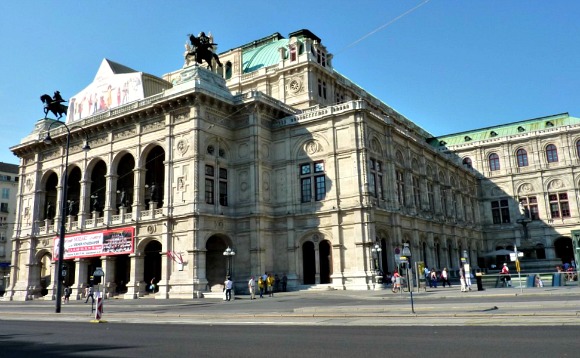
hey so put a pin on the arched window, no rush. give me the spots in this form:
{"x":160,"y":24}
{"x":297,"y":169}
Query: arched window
{"x":493,"y":162}
{"x":467,"y":162}
{"x":551,"y":153}
{"x":578,"y":148}
{"x":522,"y":157}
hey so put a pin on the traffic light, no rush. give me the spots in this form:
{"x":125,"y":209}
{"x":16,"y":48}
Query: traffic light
{"x":64,"y":272}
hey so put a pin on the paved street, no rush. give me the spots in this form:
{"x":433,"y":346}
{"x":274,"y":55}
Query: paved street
{"x":75,"y":339}
{"x":442,"y":306}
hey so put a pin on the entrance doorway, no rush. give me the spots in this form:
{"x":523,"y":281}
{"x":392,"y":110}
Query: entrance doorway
{"x":152,"y":263}
{"x":216,"y":263}
{"x":122,"y":273}
{"x":564,"y":249}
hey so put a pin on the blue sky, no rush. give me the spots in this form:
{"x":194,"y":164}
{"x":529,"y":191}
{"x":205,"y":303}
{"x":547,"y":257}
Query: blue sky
{"x":448,"y":65}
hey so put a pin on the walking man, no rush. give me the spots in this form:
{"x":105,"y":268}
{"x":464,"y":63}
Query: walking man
{"x":90,"y":294}
{"x":252,"y":288}
{"x":228,"y":286}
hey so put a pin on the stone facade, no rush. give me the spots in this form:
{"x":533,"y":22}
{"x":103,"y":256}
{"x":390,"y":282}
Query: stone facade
{"x":275,"y":155}
{"x":534,"y":162}
{"x":8,"y":192}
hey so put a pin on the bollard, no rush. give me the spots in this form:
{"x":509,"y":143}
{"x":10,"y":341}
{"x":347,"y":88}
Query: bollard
{"x":99,"y":311}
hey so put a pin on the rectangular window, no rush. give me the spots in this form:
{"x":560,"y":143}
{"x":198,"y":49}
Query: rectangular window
{"x":209,"y":184}
{"x":559,"y":206}
{"x":322,"y":89}
{"x":5,"y":193}
{"x":312,"y":180}
{"x":306,"y":191}
{"x":500,"y":211}
{"x":430,"y":196}
{"x":416,"y":192}
{"x":443,"y":196}
{"x":4,"y":207}
{"x":209,"y":191}
{"x":376,"y":179}
{"x":320,"y":187}
{"x":223,"y":193}
{"x":223,"y":187}
{"x":530,"y":204}
{"x":400,"y":187}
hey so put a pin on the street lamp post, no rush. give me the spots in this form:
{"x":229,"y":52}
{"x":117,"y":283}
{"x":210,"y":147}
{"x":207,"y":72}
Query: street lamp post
{"x":377,"y":254}
{"x":407,"y":253}
{"x":58,"y":271}
{"x":376,"y":250}
{"x":229,"y":253}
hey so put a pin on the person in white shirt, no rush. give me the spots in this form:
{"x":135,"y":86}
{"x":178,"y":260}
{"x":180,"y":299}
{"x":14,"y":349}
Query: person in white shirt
{"x":228,"y":287}
{"x":252,"y":288}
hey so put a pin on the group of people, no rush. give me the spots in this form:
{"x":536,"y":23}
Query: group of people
{"x":569,"y":269}
{"x":432,"y":277}
{"x":267,"y":283}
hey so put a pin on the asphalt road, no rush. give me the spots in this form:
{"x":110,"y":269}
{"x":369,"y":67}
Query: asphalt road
{"x":75,"y":339}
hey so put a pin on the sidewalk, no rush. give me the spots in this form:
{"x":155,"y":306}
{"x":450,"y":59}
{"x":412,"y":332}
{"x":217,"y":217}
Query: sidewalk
{"x":548,"y":305}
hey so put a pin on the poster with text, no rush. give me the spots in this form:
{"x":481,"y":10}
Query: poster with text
{"x":99,"y":243}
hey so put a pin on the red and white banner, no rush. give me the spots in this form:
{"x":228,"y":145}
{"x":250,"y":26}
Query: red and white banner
{"x":99,"y":243}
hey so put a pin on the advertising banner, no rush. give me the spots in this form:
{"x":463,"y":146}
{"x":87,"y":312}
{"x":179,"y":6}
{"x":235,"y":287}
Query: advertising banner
{"x":98,"y":243}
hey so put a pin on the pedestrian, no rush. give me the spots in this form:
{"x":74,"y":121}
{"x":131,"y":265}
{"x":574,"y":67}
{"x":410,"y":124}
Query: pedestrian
{"x":270,"y":285}
{"x":396,"y":282}
{"x":261,"y":286}
{"x":462,"y":278}
{"x":228,"y":284}
{"x":505,"y":276}
{"x":91,"y":294}
{"x":67,"y":293}
{"x":538,"y":281}
{"x":427,"y":274}
{"x":276,"y":283}
{"x":467,"y":270}
{"x":284,"y":282}
{"x":433,"y":281}
{"x":252,"y":288}
{"x":445,"y":277}
{"x":152,"y":285}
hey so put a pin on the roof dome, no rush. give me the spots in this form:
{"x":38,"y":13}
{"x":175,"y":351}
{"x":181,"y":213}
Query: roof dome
{"x":262,"y":56}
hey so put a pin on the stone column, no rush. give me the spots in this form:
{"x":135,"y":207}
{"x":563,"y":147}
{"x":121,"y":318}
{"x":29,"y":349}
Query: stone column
{"x":108,"y":266}
{"x":81,"y":274}
{"x":135,"y":286}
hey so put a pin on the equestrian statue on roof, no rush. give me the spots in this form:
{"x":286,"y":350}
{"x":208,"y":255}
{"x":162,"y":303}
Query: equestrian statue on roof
{"x":201,"y":49}
{"x":54,"y":104}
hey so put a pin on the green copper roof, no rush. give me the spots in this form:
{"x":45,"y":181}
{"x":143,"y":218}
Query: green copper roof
{"x":263,"y":56}
{"x":508,"y":129}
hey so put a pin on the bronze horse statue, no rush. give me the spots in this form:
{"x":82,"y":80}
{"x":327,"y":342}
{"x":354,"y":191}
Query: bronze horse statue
{"x":203,"y":50}
{"x":54,"y":106}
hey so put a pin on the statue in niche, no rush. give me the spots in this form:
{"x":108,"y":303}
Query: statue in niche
{"x":153,"y":192}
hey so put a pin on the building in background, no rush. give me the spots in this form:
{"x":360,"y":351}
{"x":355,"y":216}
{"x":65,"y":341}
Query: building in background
{"x":529,"y":176}
{"x":275,"y":155}
{"x":8,"y":191}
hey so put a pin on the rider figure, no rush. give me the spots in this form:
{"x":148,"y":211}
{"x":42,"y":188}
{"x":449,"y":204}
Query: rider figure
{"x":57,"y":98}
{"x":204,"y":41}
